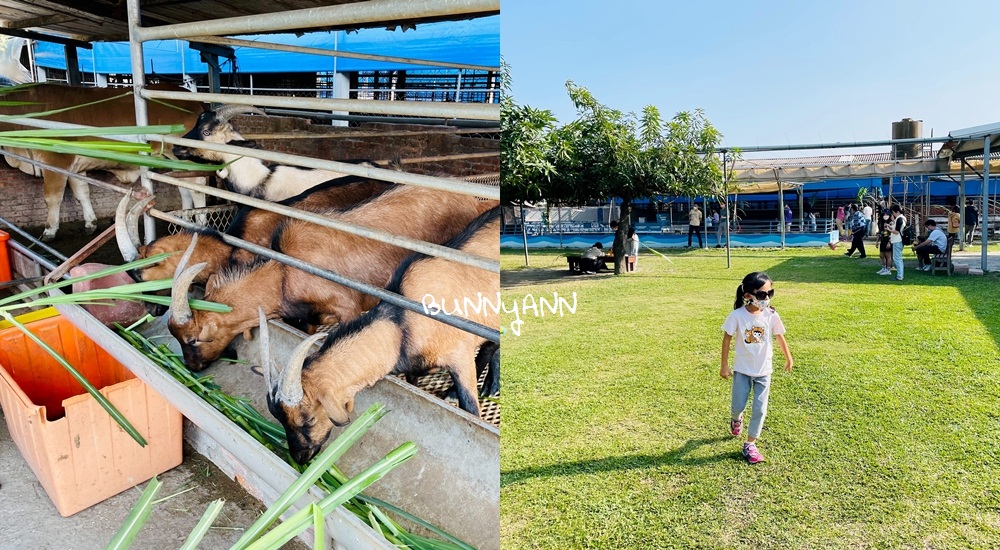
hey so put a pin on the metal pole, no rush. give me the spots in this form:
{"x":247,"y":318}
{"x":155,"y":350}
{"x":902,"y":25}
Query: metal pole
{"x":781,"y":212}
{"x":72,"y":66}
{"x":404,"y":242}
{"x":984,"y":228}
{"x":729,"y":206}
{"x":344,"y":15}
{"x":141,"y":114}
{"x":524,"y":235}
{"x":961,"y":210}
{"x":478,"y":111}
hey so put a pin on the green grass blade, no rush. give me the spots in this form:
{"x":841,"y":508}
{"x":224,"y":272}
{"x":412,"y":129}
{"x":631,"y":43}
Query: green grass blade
{"x":318,"y":466}
{"x":99,"y":130}
{"x":203,"y":526}
{"x":96,"y":275}
{"x":136,"y":519}
{"x":127,"y":158}
{"x":111,"y":409}
{"x":42,"y":114}
{"x":319,"y":533}
{"x":300,"y":520}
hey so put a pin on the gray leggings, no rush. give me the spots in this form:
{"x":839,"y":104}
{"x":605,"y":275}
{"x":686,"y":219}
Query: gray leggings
{"x":761,"y":386}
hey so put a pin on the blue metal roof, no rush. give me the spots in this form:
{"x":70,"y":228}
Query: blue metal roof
{"x":475,"y":42}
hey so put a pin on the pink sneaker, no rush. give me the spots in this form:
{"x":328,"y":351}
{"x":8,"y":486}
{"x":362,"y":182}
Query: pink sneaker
{"x":736,"y":426}
{"x":751,"y":453}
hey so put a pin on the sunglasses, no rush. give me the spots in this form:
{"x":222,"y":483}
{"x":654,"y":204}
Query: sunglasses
{"x":762,"y":295}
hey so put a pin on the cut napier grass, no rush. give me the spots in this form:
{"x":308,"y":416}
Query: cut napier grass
{"x":272,"y":436}
{"x":255,"y":538}
{"x":132,"y":292}
{"x":885,"y":435}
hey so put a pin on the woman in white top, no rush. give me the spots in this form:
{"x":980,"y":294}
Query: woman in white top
{"x":896,"y":238}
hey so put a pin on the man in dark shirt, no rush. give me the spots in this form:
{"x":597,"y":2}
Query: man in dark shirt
{"x":971,"y":220}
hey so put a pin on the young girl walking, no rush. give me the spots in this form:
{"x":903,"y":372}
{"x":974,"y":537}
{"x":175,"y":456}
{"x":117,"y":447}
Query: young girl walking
{"x":754,"y":323}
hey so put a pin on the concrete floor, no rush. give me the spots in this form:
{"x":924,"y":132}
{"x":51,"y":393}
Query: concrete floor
{"x":31,"y":521}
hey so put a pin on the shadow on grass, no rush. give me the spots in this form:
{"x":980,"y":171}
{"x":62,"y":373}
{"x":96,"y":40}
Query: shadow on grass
{"x":545,"y":275}
{"x":628,"y":462}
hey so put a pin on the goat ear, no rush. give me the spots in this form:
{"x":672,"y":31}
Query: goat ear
{"x":244,"y":143}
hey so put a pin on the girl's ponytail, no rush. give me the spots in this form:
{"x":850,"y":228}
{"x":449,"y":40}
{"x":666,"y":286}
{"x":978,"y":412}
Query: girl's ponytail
{"x":739,"y":298}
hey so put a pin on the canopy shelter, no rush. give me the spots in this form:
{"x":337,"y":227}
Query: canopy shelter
{"x":475,"y":42}
{"x":83,"y":21}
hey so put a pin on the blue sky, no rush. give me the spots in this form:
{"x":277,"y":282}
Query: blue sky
{"x":766,"y":73}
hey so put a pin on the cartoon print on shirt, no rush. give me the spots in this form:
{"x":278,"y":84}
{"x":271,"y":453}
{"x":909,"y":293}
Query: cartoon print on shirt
{"x":754,"y":335}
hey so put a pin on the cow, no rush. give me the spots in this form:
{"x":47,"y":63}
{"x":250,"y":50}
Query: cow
{"x":118,"y":110}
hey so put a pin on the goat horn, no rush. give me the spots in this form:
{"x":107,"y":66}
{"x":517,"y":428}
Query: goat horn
{"x":266,"y":364}
{"x":290,"y":384}
{"x":180,"y":310}
{"x":226,"y":112}
{"x":132,"y":226}
{"x":182,"y":265}
{"x":128,"y":247}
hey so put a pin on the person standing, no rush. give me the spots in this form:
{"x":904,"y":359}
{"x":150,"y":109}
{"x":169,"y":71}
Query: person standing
{"x":954,"y":222}
{"x":839,"y":217}
{"x":720,"y":229}
{"x":885,"y":243}
{"x":788,"y":218}
{"x":896,"y":238}
{"x":753,"y":323}
{"x":812,"y":222}
{"x":869,"y":220}
{"x":632,"y":248}
{"x":971,"y":220}
{"x":857,"y":228}
{"x":694,"y":225}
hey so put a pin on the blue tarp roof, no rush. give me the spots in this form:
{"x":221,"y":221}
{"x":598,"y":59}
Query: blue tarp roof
{"x":475,"y":42}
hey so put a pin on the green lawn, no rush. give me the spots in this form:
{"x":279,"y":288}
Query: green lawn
{"x":615,"y":427}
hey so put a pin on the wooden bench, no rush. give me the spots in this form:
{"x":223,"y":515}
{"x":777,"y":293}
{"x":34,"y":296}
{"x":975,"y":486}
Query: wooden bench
{"x":609,"y":263}
{"x":942,"y":260}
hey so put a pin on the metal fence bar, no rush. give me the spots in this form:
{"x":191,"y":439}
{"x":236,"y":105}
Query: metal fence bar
{"x":365,"y":134}
{"x":74,"y":175}
{"x":462,"y":123}
{"x":403,"y":242}
{"x":354,"y":14}
{"x":56,"y":125}
{"x":442,"y":184}
{"x":380,"y":293}
{"x":337,"y":53}
{"x":437,"y":109}
{"x":34,"y":241}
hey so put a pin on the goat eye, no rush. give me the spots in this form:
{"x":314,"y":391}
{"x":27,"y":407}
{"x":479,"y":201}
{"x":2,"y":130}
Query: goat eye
{"x":206,"y":132}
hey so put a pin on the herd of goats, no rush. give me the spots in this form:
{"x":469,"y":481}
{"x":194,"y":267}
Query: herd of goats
{"x":310,"y":395}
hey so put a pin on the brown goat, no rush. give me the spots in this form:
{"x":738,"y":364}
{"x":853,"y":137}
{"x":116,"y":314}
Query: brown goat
{"x":311,"y":396}
{"x":430,"y":215}
{"x":250,"y":224}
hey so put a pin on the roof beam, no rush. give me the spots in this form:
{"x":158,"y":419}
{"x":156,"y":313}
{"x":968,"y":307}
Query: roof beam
{"x":40,"y":21}
{"x":47,"y":38}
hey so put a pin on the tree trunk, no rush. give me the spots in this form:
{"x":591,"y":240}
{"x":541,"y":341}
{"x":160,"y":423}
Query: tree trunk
{"x":624,"y":221}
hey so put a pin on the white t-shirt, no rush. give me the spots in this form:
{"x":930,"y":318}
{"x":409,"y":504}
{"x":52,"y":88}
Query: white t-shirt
{"x":753,"y":333}
{"x":899,"y":225}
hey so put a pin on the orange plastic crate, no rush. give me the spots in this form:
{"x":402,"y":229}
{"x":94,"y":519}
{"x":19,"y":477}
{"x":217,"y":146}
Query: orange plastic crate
{"x":78,"y":452}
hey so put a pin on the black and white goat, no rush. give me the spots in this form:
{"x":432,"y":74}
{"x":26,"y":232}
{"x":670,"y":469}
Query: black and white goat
{"x":246,"y":175}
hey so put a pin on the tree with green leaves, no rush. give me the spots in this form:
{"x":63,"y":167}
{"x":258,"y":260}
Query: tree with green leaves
{"x":617,"y":154}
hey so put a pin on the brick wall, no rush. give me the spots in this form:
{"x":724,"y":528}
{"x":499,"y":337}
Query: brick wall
{"x":376,"y":147}
{"x":21,"y":201}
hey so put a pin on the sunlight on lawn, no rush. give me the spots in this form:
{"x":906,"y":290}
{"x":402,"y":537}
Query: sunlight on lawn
{"x":616,"y":421}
